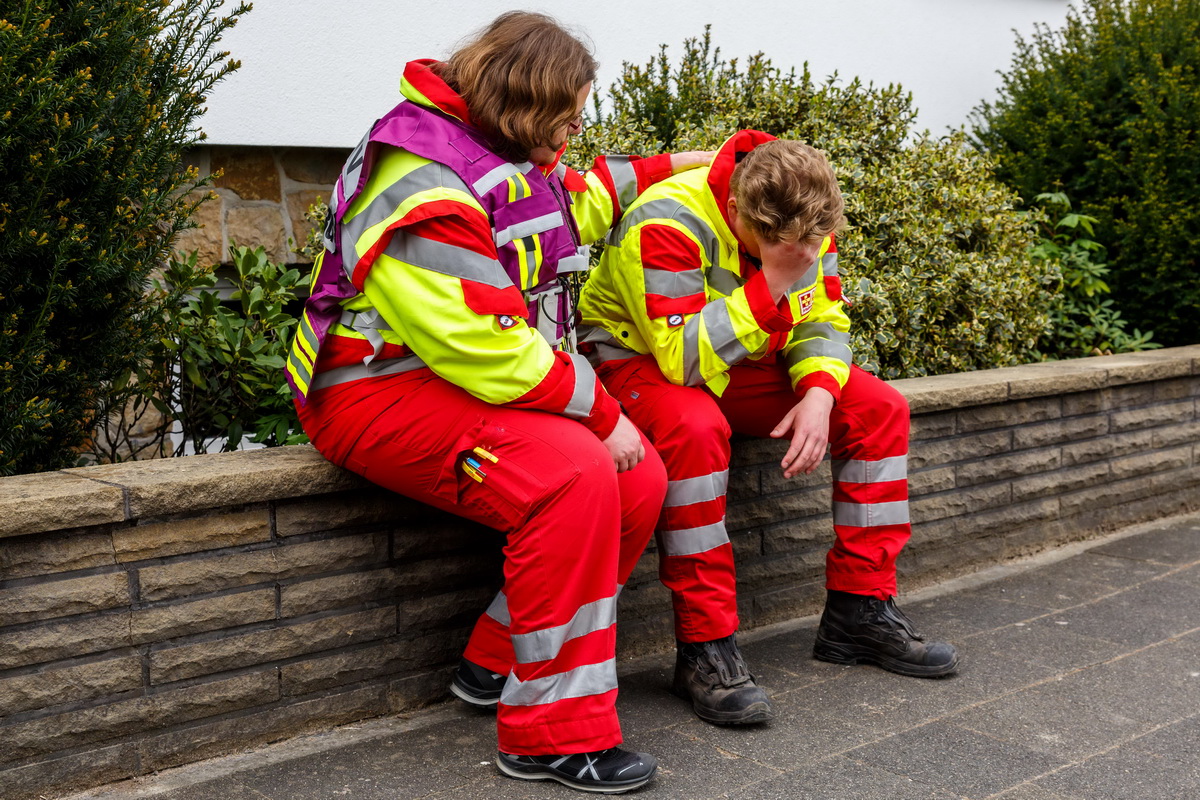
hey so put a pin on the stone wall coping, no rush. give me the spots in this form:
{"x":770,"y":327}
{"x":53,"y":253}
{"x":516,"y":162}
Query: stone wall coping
{"x":117,"y":493}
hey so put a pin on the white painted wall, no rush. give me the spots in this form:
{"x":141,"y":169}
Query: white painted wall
{"x":318,"y":72}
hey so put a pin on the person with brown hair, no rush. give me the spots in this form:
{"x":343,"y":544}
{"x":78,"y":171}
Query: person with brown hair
{"x":434,"y":357}
{"x":718,"y":308}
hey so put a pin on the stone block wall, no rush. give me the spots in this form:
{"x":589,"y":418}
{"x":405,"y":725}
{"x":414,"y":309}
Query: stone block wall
{"x":157,"y":613}
{"x":260,"y":199}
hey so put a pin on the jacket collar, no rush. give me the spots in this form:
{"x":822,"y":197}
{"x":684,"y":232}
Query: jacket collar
{"x":728,"y":156}
{"x":422,"y":85}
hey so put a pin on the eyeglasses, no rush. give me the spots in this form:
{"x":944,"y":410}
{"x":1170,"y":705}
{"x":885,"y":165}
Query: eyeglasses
{"x":576,"y":124}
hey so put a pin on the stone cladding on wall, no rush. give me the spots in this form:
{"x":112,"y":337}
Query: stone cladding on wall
{"x":260,"y":199}
{"x":158,"y":613}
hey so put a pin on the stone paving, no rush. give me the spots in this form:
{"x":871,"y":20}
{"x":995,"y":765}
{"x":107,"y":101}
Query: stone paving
{"x":1080,"y":681}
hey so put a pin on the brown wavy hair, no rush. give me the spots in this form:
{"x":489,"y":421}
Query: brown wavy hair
{"x":787,"y":192}
{"x":520,"y":78}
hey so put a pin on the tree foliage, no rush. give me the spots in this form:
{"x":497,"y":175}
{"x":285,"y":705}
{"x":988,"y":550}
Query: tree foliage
{"x":936,"y":257}
{"x":1106,"y":110}
{"x":99,"y":103}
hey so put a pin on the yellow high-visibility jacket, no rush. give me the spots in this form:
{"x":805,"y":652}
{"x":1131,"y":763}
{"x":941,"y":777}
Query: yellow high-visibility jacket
{"x":675,"y":284}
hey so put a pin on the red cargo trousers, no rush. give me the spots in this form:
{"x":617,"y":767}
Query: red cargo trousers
{"x":574,"y":530}
{"x":690,"y":428}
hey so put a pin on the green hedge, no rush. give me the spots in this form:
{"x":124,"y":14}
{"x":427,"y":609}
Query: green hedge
{"x":935,"y":260}
{"x":1106,"y":110}
{"x":98,"y":102}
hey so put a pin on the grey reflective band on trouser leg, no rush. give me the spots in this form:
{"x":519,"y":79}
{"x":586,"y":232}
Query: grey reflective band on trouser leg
{"x":447,"y":259}
{"x":870,"y":515}
{"x":498,"y":610}
{"x":586,"y":681}
{"x":624,"y":179}
{"x":387,"y":202}
{"x":584,"y":396}
{"x":543,"y":645}
{"x":688,"y":491}
{"x":893,"y":468}
{"x":673,"y":284}
{"x":690,"y":541}
{"x":353,"y":372}
{"x":546,"y":222}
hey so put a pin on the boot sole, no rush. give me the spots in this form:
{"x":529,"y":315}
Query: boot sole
{"x":752,"y":715}
{"x":546,"y":774}
{"x":851,"y":655}
{"x":478,"y":702}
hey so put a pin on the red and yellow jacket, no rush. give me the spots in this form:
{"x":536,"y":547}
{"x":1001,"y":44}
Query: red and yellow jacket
{"x":410,"y":240}
{"x":675,"y":283}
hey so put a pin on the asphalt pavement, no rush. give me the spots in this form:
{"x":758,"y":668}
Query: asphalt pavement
{"x":1080,"y":680}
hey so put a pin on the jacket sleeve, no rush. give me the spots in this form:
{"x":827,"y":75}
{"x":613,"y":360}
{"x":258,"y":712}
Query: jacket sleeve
{"x":818,"y":351}
{"x":659,"y":274}
{"x":438,"y":283}
{"x":608,"y":188}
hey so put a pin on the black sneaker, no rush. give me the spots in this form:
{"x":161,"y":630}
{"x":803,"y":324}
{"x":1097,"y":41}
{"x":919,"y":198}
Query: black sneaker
{"x":476,"y":685}
{"x":610,"y":771}
{"x":858,"y":629}
{"x":713,"y":675}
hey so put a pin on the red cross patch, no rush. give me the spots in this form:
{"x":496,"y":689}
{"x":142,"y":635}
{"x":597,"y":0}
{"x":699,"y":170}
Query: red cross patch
{"x":806,"y":302}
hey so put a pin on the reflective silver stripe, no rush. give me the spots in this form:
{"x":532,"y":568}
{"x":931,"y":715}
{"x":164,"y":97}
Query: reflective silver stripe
{"x":364,"y":319}
{"x":495,"y":177}
{"x":696,"y":490}
{"x":299,"y":364}
{"x":723,"y":280}
{"x":610,"y":352}
{"x":547,"y":315}
{"x":721,"y":337}
{"x":584,"y":396}
{"x":809,"y":279}
{"x":352,"y":372}
{"x":546,"y":222}
{"x":894,"y":468}
{"x":585,"y":681}
{"x":829,"y":264}
{"x":576,"y":263}
{"x":690,"y":541}
{"x":870,"y":515}
{"x":498,"y":610}
{"x":384,"y":205}
{"x":624,"y":179}
{"x":668,"y":209}
{"x":824,"y":330}
{"x":305,"y":330}
{"x":352,"y":170}
{"x":447,"y":259}
{"x":545,"y":644}
{"x":691,"y":352}
{"x":812,"y":348}
{"x":674,"y":284}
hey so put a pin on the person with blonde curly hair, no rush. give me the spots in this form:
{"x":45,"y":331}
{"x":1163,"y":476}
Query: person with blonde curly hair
{"x":718,"y":308}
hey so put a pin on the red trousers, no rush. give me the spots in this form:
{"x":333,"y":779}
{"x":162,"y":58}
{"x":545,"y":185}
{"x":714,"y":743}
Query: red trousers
{"x":690,"y":429}
{"x":552,"y":629}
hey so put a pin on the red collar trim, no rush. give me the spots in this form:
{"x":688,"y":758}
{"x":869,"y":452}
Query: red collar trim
{"x":423,"y":76}
{"x":734,"y":149}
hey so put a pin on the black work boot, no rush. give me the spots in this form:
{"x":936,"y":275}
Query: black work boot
{"x":714,"y":677}
{"x":477,"y":685}
{"x":860,"y":629}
